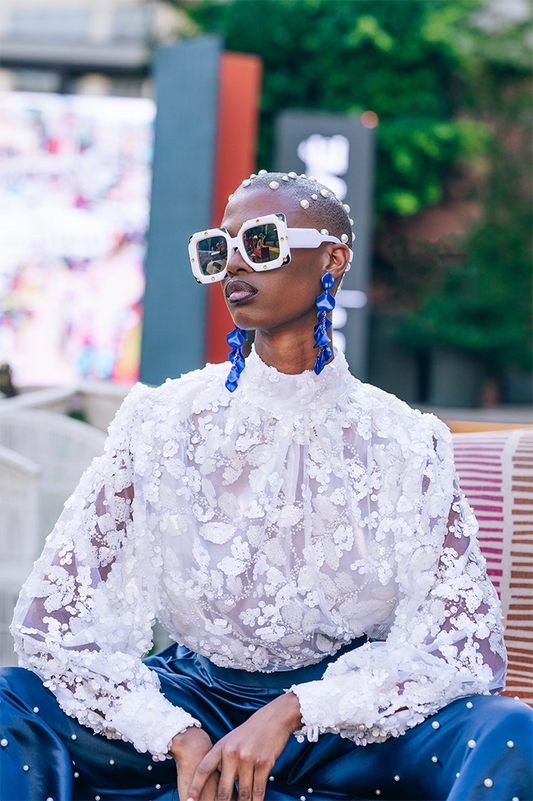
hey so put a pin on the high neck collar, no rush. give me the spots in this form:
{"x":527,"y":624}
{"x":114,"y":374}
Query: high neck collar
{"x":281,"y":393}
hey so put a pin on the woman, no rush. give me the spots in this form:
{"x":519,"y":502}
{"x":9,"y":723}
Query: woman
{"x":302,"y":536}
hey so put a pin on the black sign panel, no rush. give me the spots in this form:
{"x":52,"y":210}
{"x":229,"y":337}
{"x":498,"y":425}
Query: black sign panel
{"x":339,"y":151}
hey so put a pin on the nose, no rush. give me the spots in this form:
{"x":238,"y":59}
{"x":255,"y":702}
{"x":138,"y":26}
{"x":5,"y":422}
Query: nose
{"x":236,"y":263}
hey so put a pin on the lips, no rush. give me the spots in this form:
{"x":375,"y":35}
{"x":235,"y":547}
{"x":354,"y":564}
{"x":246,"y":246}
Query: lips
{"x":238,"y":291}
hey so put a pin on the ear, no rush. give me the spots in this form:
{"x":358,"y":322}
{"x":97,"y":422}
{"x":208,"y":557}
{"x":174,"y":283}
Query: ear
{"x":338,"y":261}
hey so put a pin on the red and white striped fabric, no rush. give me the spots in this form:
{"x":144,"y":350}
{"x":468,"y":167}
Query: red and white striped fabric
{"x":496,"y":474}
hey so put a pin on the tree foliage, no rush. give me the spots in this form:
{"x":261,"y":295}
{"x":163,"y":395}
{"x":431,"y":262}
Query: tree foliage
{"x":484,"y":303}
{"x":402,"y":59}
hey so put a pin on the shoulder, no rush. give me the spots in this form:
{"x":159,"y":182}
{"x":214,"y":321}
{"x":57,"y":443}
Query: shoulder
{"x":388,"y":417}
{"x":176,"y":399}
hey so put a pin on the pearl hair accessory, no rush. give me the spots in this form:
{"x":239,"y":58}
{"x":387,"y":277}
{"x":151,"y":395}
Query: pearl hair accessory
{"x":344,"y":238}
{"x":324,"y":193}
{"x":262,"y":172}
{"x":253,"y":175}
{"x":303,"y":175}
{"x":311,"y":177}
{"x":346,"y":208}
{"x":246,"y":182}
{"x":351,"y":221}
{"x":314,"y":197}
{"x":284,"y":177}
{"x":304,"y":204}
{"x":292,"y":175}
{"x":230,"y":196}
{"x":353,"y":237}
{"x":324,"y":232}
{"x":274,"y":185}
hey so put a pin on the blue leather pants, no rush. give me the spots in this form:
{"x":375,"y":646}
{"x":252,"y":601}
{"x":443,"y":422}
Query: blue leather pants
{"x":47,"y":755}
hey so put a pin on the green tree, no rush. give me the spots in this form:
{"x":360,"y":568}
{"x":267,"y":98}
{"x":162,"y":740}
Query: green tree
{"x":483,"y":304}
{"x":402,"y":59}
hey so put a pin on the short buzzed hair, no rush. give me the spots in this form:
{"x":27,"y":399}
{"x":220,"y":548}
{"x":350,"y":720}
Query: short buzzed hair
{"x":326,"y":211}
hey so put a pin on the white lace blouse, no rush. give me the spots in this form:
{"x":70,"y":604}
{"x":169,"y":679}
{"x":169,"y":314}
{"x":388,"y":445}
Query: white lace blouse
{"x":265,"y":529}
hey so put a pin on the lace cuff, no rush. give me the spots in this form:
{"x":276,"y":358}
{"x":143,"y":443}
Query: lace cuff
{"x":146,"y":719}
{"x":377,"y":692}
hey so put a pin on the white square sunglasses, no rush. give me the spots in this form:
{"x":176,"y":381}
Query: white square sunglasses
{"x":264,"y":243}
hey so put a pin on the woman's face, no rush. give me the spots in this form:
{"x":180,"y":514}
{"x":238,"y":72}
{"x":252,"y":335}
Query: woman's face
{"x":278,"y":298}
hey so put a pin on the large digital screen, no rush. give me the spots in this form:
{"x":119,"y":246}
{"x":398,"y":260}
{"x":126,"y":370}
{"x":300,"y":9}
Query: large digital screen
{"x":75,"y":177}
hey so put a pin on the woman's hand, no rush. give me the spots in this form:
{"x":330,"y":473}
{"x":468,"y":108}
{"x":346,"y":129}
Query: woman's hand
{"x":247,"y":754}
{"x":188,"y":750}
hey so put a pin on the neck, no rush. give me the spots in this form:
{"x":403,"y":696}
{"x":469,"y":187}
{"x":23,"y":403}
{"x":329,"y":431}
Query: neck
{"x":289,"y":351}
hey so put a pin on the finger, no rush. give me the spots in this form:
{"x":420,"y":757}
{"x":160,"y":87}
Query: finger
{"x":261,"y":774}
{"x":209,"y":764}
{"x":228,"y":774}
{"x":209,"y":793}
{"x":246,"y":781}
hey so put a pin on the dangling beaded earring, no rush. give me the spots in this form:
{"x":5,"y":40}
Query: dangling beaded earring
{"x":235,"y":340}
{"x":325,"y":303}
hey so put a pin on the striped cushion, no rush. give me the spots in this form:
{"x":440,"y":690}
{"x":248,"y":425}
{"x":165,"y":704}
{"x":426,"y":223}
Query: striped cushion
{"x":496,"y":474}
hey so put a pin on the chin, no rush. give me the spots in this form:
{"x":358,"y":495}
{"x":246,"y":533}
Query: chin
{"x":243,"y":318}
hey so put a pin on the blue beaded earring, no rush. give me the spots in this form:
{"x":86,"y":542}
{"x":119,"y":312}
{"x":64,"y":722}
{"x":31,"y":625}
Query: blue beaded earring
{"x":235,"y":340}
{"x":325,"y":303}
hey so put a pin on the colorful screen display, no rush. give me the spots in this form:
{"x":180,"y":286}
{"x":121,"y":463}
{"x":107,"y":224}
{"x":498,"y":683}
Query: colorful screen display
{"x":75,"y":177}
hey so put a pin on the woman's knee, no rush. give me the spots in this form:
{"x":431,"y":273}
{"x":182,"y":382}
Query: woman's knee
{"x":503,"y":722}
{"x":22,"y":689}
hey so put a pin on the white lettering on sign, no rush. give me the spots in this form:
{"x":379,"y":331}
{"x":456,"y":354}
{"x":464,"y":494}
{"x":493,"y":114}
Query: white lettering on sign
{"x":326,"y":157}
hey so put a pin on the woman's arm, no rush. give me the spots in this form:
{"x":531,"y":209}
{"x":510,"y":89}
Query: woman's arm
{"x":447,"y":638}
{"x":84,"y":617}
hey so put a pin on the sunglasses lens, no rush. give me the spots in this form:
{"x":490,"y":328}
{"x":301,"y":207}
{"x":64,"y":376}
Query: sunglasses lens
{"x":262,"y":243}
{"x":212,"y":255}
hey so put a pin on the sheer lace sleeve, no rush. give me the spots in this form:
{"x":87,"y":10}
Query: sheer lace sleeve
{"x":83,"y":620}
{"x":446,"y":640}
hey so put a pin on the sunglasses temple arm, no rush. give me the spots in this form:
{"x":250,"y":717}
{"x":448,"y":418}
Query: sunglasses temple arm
{"x":308,"y":238}
{"x":311,"y":238}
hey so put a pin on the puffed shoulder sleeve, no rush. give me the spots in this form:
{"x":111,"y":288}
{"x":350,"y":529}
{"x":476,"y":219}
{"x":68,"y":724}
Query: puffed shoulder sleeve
{"x":446,"y":640}
{"x":84,"y":617}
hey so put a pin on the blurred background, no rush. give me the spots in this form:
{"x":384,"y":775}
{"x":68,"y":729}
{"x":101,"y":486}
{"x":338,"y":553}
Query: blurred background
{"x":444,"y":84}
{"x":447,"y":88}
{"x":125,"y":124}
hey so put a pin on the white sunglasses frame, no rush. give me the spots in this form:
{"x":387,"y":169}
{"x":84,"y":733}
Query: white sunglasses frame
{"x":299,"y":238}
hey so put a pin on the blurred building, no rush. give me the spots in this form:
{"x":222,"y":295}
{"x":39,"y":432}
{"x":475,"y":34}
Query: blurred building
{"x":100,"y":47}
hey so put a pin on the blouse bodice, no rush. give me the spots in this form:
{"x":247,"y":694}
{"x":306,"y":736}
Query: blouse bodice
{"x":265,"y":529}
